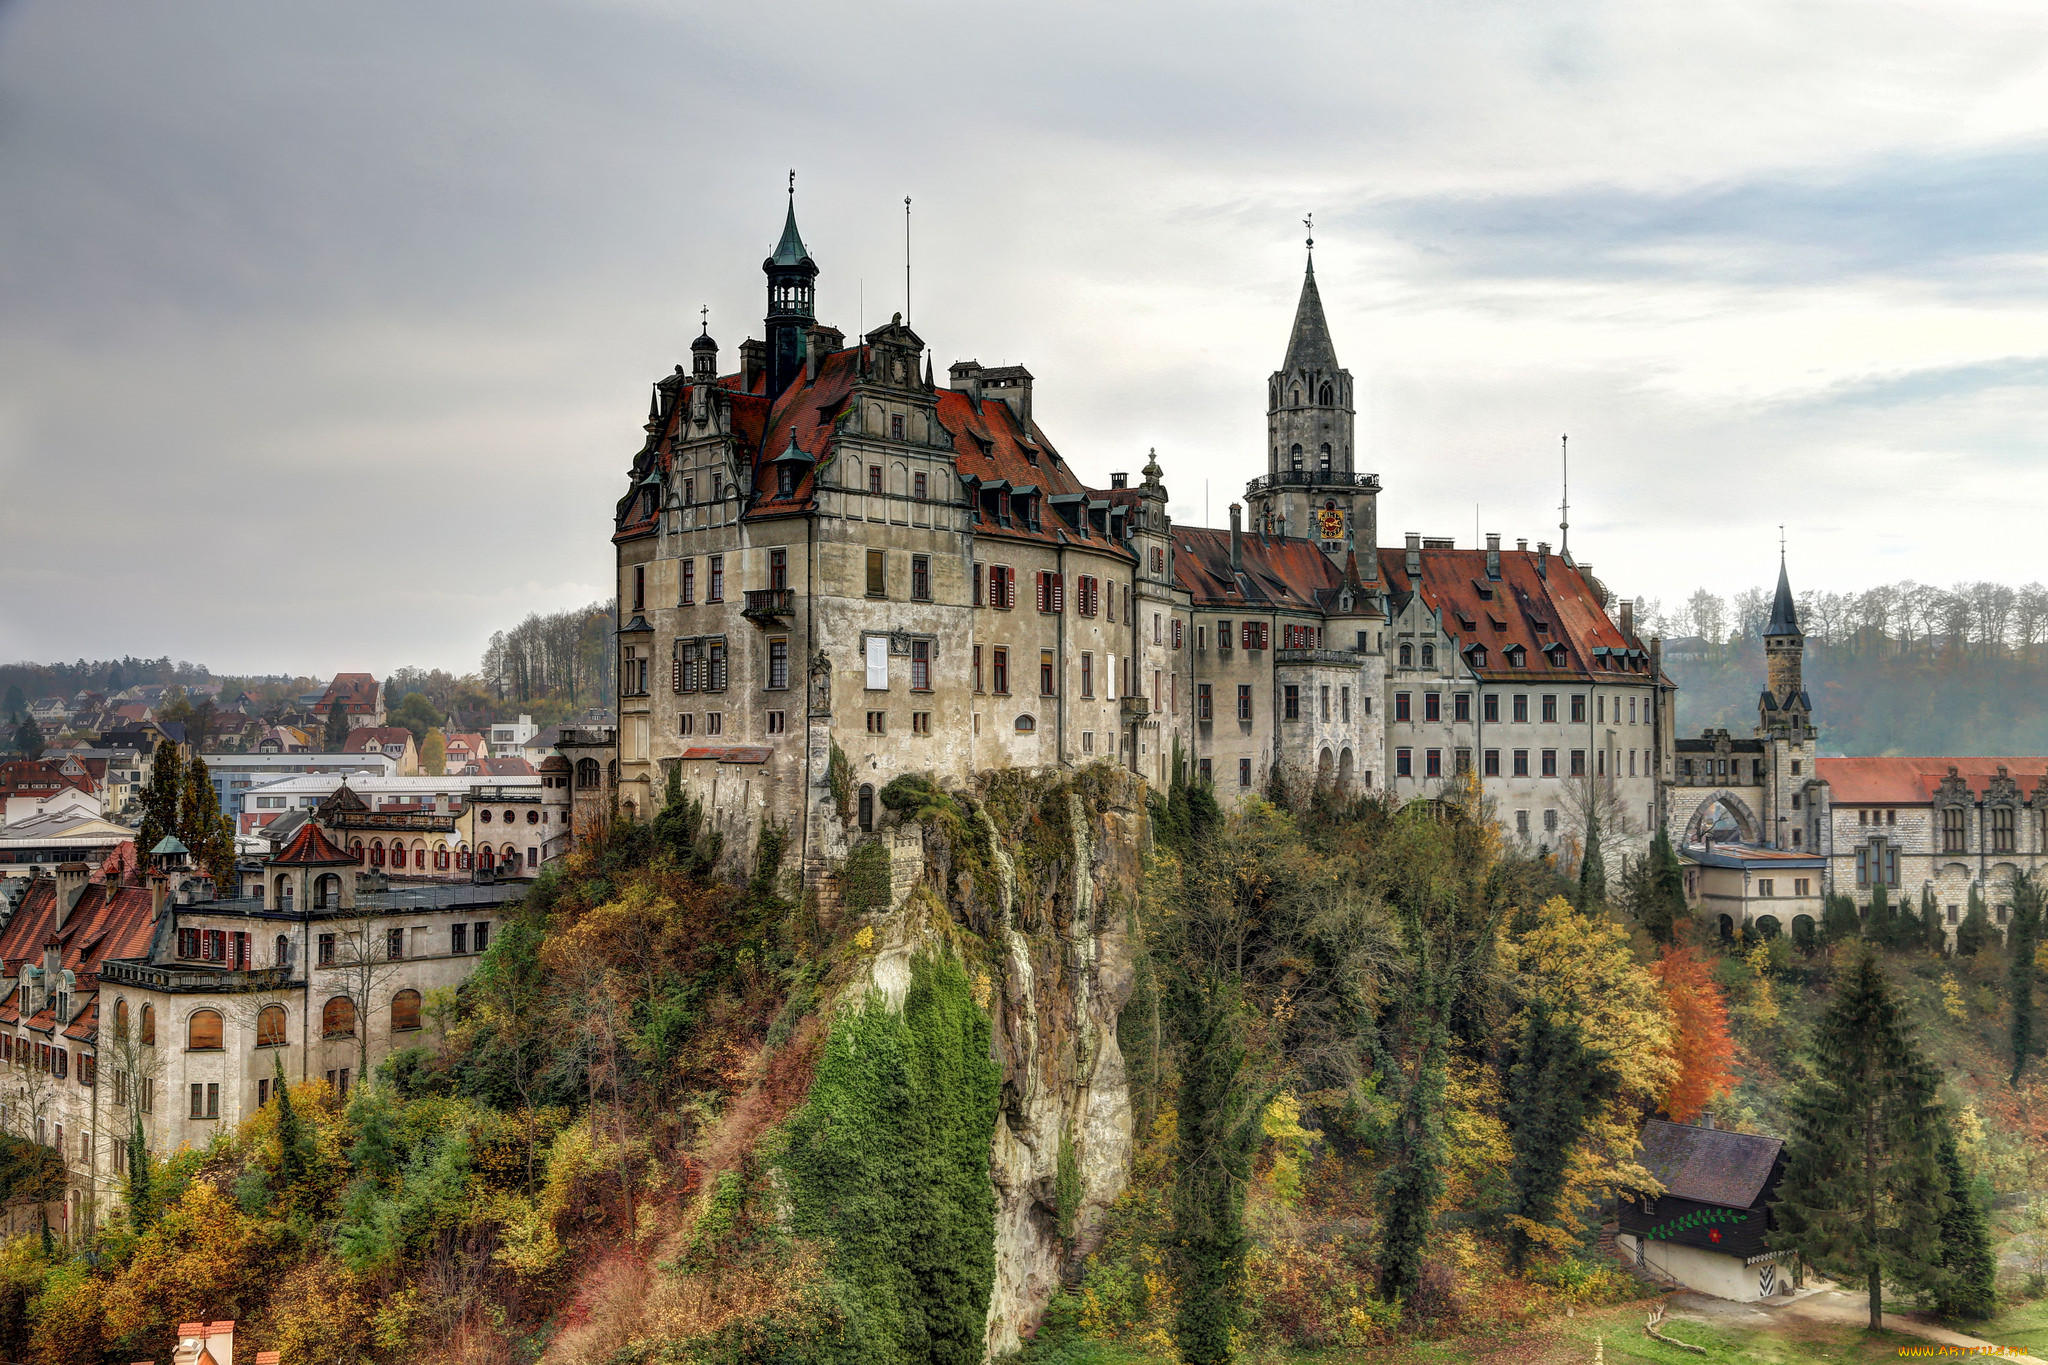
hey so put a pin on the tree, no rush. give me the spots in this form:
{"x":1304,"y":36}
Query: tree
{"x":1863,"y":1194}
{"x":161,"y":797}
{"x":141,"y":1205}
{"x":336,"y":738}
{"x":206,"y":833}
{"x":1877,"y":925}
{"x":1592,"y":867}
{"x":2021,"y":939}
{"x":417,"y":715}
{"x":1413,"y":1182}
{"x":1966,"y":1285}
{"x":434,"y":753}
{"x":1839,"y":921}
{"x":28,"y":738}
{"x":1708,"y":616}
{"x":1933,"y":933}
{"x":1701,"y":1045}
{"x":362,"y":966}
{"x":15,"y":703}
{"x":1975,"y":931}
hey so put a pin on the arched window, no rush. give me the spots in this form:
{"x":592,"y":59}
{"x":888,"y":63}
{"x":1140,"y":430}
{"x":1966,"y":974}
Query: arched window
{"x":484,"y":858}
{"x":405,"y":1011}
{"x":1297,"y":396}
{"x":357,"y":849}
{"x":338,"y":1020}
{"x":203,"y":1032}
{"x":1295,"y":456}
{"x":1407,"y":656}
{"x":586,"y":773}
{"x":1329,"y":396}
{"x":510,"y":856}
{"x":270,"y":1024}
{"x":121,"y":1020}
{"x":327,"y":893}
{"x":441,"y":860}
{"x":149,"y":1025}
{"x":376,"y":853}
{"x":283,"y":957}
{"x":285,"y":891}
{"x":867,"y":806}
{"x":462,"y":860}
{"x":1325,"y":458}
{"x":1429,"y":656}
{"x":1026,"y":724}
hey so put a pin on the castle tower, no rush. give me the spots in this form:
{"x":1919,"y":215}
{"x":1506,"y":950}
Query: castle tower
{"x":792,"y":277}
{"x":1311,"y":488}
{"x":1784,"y":643}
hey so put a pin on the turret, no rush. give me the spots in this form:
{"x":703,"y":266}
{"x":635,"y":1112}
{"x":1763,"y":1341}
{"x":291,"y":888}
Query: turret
{"x":792,"y":278}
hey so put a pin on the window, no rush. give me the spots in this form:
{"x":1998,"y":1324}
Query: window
{"x":1429,"y":656}
{"x":1462,"y":762}
{"x":785,"y":480}
{"x":685,"y":724}
{"x":1401,"y":704}
{"x":1091,"y":594}
{"x":895,"y":426}
{"x":1489,"y":708}
{"x":977,"y":668}
{"x":874,"y":478}
{"x":1223,"y":636}
{"x":1088,"y":745}
{"x":714,"y":724}
{"x":482,"y":935}
{"x":405,"y":1011}
{"x":205,"y":1103}
{"x":203,"y":1031}
{"x":1550,"y":821}
{"x":921,"y":577}
{"x":394,"y":945}
{"x":689,"y":594}
{"x":458,"y":939}
{"x":1490,"y":763}
{"x":1578,"y":708}
{"x":878,"y":722}
{"x":1550,"y":763}
{"x":2001,"y":829}
{"x":1521,"y":763}
{"x":1255,"y":634}
{"x":1290,"y":702}
{"x":1205,"y":708}
{"x":918,"y":487}
{"x":270,"y":1026}
{"x":1461,"y":707}
{"x":1578,"y":763}
{"x":1127,"y":602}
{"x":999,"y":671}
{"x":338,"y":1019}
{"x":1344,"y":697}
{"x":866,"y":806}
{"x":778,"y":722}
{"x":639,"y":587}
{"x":1952,"y":830}
{"x":920,"y":665}
{"x":877,"y":577}
{"x":1404,"y":762}
{"x":1157,"y":637}
{"x":1766,"y":886}
{"x":715,"y":579}
{"x":1002,"y":587}
{"x":1549,"y":709}
{"x":1244,"y":701}
{"x":1802,"y":886}
{"x":148,"y":1028}
{"x":920,"y":722}
{"x":1522,"y":823}
{"x":1087,"y":673}
{"x":1521,"y":708}
{"x":1407,"y":656}
{"x":1158,"y":560}
{"x":1433,"y":763}
{"x":1244,"y":772}
{"x":1432,"y":706}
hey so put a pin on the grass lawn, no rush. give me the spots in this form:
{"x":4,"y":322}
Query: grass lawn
{"x":2026,"y":1328}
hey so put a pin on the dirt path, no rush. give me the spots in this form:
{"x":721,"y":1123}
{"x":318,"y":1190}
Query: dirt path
{"x":1832,"y":1305}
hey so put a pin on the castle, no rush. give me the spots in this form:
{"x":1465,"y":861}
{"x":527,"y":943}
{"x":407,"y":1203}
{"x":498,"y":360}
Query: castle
{"x":833,"y":570}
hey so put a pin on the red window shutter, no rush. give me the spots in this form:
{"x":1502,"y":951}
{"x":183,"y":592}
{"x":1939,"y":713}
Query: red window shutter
{"x":1042,"y":593}
{"x":1059,"y":592}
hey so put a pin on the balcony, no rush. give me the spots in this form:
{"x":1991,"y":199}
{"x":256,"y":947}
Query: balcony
{"x":767,"y":604}
{"x":212,"y":981}
{"x":1134,"y":708}
{"x":1313,"y":478}
{"x":1335,"y":658}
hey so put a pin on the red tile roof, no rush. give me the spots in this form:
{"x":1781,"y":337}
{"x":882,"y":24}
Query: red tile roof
{"x":370,"y":739}
{"x":505,"y":767}
{"x":1559,"y":599}
{"x":357,"y":693}
{"x":310,"y":847}
{"x":106,"y":921}
{"x":86,"y":1021}
{"x":1280,"y":573}
{"x":1912,"y":781}
{"x":40,"y":778}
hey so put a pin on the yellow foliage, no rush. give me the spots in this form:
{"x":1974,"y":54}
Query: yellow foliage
{"x":1758,"y":959}
{"x":1763,"y":1005}
{"x":865,"y":939}
{"x":1477,"y":1153}
{"x":1282,"y":1124}
{"x":202,"y":1259}
{"x":528,"y":1244}
{"x":319,"y":1313}
{"x":1970,"y":1143}
{"x":1952,"y":998}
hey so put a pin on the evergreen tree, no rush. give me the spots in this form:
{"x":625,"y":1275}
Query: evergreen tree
{"x":1554,"y":1086}
{"x":1863,"y":1194}
{"x":160,"y":799}
{"x":1932,"y":931}
{"x":1839,"y":922}
{"x":1975,"y":932}
{"x":203,"y":829}
{"x":1877,"y":924}
{"x":141,"y":1206}
{"x":1965,"y":1288}
{"x":336,"y":738}
{"x":1413,"y":1181}
{"x":1217,"y":1134}
{"x":294,"y":1142}
{"x":15,"y":704}
{"x":1670,"y":883}
{"x":2021,"y":939}
{"x":1592,"y":868}
{"x":28,"y":738}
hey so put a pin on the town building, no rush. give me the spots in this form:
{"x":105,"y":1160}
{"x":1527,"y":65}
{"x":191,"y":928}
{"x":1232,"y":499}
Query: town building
{"x":508,"y":738}
{"x":360,"y":696}
{"x":1709,"y":1229}
{"x":234,"y":776}
{"x":393,"y":741}
{"x":126,"y":996}
{"x":42,"y":842}
{"x":833,"y":570}
{"x":61,"y":784}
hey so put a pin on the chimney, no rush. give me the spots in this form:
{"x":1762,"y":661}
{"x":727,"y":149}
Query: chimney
{"x":753,"y":362}
{"x":215,"y":1339}
{"x":70,"y":886}
{"x":1414,"y":554}
{"x":1120,"y":481}
{"x":1628,"y":618}
{"x":1493,"y":557}
{"x":159,"y":890}
{"x":1236,"y":538}
{"x":1543,"y":558}
{"x":1521,"y":547}
{"x":964,"y":376}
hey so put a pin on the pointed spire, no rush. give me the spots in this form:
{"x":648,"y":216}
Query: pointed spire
{"x":1309,"y":346}
{"x":790,"y":250}
{"x":1784,"y":615}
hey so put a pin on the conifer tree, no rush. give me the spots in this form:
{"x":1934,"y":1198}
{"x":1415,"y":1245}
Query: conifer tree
{"x":1839,"y":922}
{"x":1863,"y":1194}
{"x":1877,"y":924}
{"x":1965,"y":1288}
{"x":1933,"y":933}
{"x":293,"y":1141}
{"x":28,"y":738}
{"x":1592,"y":868}
{"x":206,"y":833}
{"x":2021,"y":938}
{"x":1975,"y":931}
{"x":336,"y":738}
{"x":141,"y":1207}
{"x":1413,"y":1181}
{"x":160,"y":799}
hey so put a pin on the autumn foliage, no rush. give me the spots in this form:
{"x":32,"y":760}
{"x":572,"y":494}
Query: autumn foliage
{"x":1705,"y":1052}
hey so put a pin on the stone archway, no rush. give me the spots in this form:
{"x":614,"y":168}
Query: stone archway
{"x":1345,"y":771}
{"x":1326,"y":768}
{"x":1707,"y":814}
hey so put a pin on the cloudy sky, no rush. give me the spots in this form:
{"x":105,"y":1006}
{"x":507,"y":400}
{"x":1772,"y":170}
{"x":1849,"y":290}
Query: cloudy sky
{"x":326,"y":330}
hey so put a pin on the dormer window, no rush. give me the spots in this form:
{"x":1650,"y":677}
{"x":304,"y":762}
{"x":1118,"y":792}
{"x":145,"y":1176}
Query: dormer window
{"x":1477,"y":655}
{"x":785,"y":481}
{"x":1517,"y":656}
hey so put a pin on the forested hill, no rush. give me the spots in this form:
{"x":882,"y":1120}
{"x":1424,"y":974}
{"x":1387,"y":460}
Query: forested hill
{"x":1928,"y":698}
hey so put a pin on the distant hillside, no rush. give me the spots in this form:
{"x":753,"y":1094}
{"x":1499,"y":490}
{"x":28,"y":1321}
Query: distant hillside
{"x":1929,"y":699}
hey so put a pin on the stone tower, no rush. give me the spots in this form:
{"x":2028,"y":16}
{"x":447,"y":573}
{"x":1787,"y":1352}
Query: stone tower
{"x":1784,"y":701}
{"x":792,"y":281}
{"x":1311,"y":488}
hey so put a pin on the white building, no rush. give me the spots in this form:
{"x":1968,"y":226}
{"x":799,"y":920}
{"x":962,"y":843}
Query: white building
{"x":306,"y":791}
{"x":234,"y":775}
{"x":508,"y":739}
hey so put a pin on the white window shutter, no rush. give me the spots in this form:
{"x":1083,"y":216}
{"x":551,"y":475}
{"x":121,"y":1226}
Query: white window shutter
{"x":1109,"y":675}
{"x":878,"y":661}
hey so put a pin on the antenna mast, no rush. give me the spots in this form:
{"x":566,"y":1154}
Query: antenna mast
{"x":906,"y":260}
{"x":1564,"y":509}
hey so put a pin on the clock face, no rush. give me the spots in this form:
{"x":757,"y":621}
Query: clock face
{"x":1332,"y":523}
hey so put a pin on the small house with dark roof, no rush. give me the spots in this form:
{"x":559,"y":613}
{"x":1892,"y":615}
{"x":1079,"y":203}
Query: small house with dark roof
{"x":1708,"y":1229}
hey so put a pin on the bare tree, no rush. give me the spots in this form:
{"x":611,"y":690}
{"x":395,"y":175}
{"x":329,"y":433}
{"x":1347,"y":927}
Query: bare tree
{"x":1752,"y":613}
{"x":1707,"y":614}
{"x":1621,"y":827}
{"x":2029,"y":618}
{"x":361,"y":966}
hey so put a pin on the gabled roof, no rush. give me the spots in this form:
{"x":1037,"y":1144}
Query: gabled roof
{"x":1913,"y":781}
{"x":1709,"y":1165}
{"x":372,"y":738}
{"x":105,"y":921}
{"x":355,"y":692}
{"x":1279,"y":573}
{"x":311,"y":847}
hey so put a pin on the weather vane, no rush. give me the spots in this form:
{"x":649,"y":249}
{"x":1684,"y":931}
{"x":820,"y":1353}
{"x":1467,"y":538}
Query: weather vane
{"x":792,"y":182}
{"x":1310,"y":223}
{"x":706,"y":311}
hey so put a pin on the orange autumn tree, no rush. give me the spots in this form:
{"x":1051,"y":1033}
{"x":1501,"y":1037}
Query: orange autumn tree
{"x":1699,"y":1014}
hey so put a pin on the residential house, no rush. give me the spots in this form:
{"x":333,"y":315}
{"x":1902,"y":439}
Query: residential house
{"x":361,"y":697}
{"x":393,"y":741}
